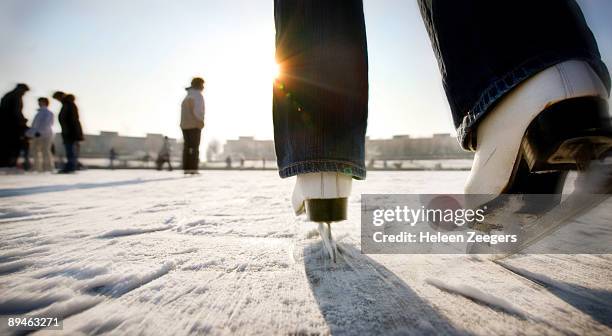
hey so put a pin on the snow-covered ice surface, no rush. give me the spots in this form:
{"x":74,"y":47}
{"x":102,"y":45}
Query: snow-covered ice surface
{"x":144,"y":252}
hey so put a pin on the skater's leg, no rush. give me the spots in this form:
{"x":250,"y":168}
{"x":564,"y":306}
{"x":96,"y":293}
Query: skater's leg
{"x":186,"y":145}
{"x":503,"y":63}
{"x":321,"y":97}
{"x":37,"y":153}
{"x":46,"y":153}
{"x":191,"y":149}
{"x":195,"y":157}
{"x":71,"y":160}
{"x":486,"y":48}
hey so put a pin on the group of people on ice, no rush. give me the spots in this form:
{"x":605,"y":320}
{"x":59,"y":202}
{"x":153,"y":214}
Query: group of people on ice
{"x":20,"y":140}
{"x":37,"y":140}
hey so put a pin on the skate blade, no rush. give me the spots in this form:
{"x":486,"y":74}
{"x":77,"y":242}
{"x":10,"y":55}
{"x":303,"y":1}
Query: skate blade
{"x":328,"y":240}
{"x":593,"y":186}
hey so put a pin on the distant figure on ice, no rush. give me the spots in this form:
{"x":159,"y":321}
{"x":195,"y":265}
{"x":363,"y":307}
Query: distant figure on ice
{"x":42,"y":137}
{"x":228,"y":162}
{"x":72,"y":131}
{"x":192,"y":122}
{"x":12,"y":126}
{"x":112,"y":156}
{"x":164,"y":155}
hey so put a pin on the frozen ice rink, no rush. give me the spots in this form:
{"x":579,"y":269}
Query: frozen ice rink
{"x":144,"y":252}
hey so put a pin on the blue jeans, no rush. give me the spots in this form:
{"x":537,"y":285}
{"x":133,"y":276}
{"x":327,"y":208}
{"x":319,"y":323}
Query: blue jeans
{"x":191,"y":148}
{"x":320,"y":102}
{"x":71,"y":156}
{"x":484,"y":49}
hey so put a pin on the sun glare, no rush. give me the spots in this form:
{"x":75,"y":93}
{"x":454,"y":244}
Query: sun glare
{"x":275,"y":71}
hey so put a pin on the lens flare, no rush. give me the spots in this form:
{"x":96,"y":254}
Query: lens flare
{"x":276,"y":71}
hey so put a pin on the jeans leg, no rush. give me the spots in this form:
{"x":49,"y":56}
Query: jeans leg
{"x":186,"y":146}
{"x":46,"y":154}
{"x":195,"y":159}
{"x":191,"y":148}
{"x":70,"y":156}
{"x":77,"y":154}
{"x":38,"y":154}
{"x":320,"y":100}
{"x":485,"y":48}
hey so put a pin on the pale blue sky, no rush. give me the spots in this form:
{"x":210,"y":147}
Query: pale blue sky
{"x":129,"y":61}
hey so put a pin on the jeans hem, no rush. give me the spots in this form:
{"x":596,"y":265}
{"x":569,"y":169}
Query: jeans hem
{"x":314,"y":166}
{"x":505,"y":84}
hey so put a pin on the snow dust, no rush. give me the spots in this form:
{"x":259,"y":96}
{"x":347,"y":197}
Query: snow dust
{"x":145,"y":252}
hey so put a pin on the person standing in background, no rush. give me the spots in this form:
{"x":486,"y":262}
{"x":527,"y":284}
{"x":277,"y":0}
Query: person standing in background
{"x":112,"y":156}
{"x":12,"y":125}
{"x":72,"y":131}
{"x":192,"y":122}
{"x":164,"y":154}
{"x":42,"y":136}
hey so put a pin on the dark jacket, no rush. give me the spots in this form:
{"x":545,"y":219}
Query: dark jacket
{"x":69,"y":120}
{"x":12,"y":121}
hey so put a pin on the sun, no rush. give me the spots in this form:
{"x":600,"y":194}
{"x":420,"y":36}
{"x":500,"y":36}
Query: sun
{"x":276,"y":70}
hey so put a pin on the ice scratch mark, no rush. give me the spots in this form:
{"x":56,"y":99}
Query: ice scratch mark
{"x":14,"y":254}
{"x":21,"y":303}
{"x":10,"y":213}
{"x":594,"y":302}
{"x":203,"y":265}
{"x":118,"y":285}
{"x":189,"y":250}
{"x":548,"y":282}
{"x":79,"y":272}
{"x":15,"y":266}
{"x":478,"y":296}
{"x":70,"y":307}
{"x":129,"y":232}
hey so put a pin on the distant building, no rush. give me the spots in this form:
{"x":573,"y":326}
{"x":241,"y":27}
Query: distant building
{"x":99,"y":146}
{"x":246,"y":147}
{"x":400,"y":147}
{"x":403,"y":147}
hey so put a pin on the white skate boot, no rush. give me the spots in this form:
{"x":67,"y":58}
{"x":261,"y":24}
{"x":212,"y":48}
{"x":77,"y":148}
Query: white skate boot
{"x":555,"y":121}
{"x":323,"y":196}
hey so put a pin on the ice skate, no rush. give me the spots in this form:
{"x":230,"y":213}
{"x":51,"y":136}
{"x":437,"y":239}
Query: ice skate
{"x":554,"y":122}
{"x":323,"y":197}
